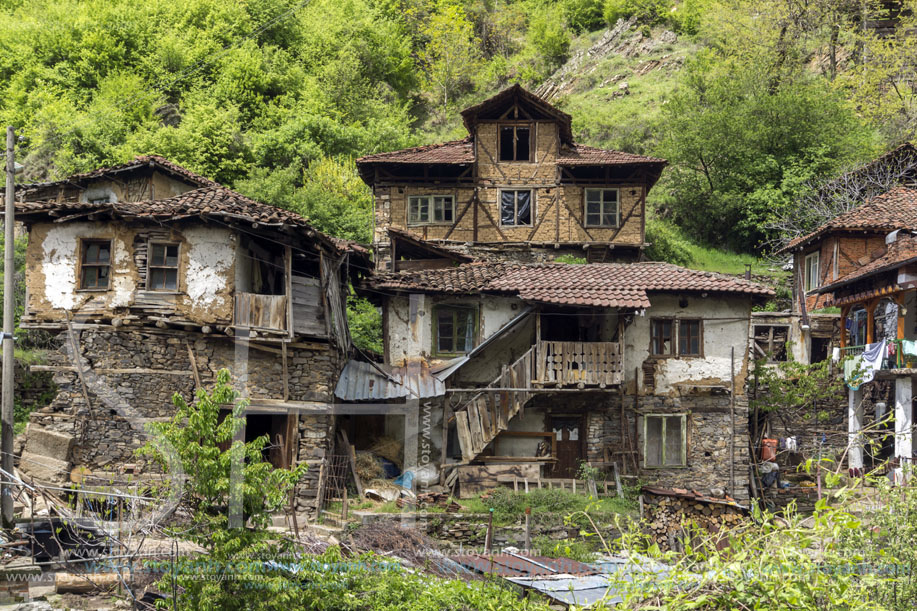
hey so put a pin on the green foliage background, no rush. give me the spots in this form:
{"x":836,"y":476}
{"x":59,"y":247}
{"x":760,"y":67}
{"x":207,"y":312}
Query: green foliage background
{"x":276,"y":98}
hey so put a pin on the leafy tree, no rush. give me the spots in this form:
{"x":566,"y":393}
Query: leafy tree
{"x":743,"y":142}
{"x":452,"y":54}
{"x":365,"y":323}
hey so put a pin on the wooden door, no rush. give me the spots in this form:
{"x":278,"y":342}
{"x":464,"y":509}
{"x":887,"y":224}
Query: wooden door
{"x":568,"y":433}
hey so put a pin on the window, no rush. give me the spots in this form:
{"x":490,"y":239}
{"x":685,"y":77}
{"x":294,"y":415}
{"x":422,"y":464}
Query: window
{"x":454,"y":329}
{"x":95,"y":263}
{"x":423,"y":209}
{"x":770,"y":342}
{"x":601,"y":207}
{"x":661,"y":341}
{"x":690,"y":337}
{"x":664,"y":441}
{"x":162,"y":267}
{"x":515,"y":208}
{"x":515,"y":143}
{"x":811,"y":272}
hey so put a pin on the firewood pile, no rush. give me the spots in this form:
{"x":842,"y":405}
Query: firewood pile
{"x":430,"y":499}
{"x":667,"y":515}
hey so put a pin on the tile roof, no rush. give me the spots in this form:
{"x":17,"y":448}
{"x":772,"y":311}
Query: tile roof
{"x":214,"y":202}
{"x":894,"y":209}
{"x":135,"y":163}
{"x":900,"y":252}
{"x":623,"y":285}
{"x":580,"y":154}
{"x":454,"y":152}
{"x":461,"y":152}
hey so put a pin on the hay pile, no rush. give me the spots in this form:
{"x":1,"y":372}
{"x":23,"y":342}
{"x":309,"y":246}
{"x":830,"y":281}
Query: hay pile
{"x":368,"y":467}
{"x":388,"y":448}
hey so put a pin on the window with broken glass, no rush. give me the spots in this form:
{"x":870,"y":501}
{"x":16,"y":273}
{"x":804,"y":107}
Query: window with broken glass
{"x":428,"y":209}
{"x":515,"y":143}
{"x":515,"y":207}
{"x":454,"y":329}
{"x":162,"y":267}
{"x":95,"y":264}
{"x":601,"y":207}
{"x":665,"y":440}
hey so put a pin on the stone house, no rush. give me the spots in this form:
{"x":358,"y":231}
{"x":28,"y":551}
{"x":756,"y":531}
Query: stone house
{"x":517,"y":186}
{"x":545,"y":366}
{"x":153,"y":279}
{"x":518,"y":366}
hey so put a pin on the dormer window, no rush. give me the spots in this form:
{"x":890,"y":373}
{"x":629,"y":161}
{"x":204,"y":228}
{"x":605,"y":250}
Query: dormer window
{"x":515,"y":142}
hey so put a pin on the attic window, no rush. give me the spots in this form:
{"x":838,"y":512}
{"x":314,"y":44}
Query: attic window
{"x":515,"y":143}
{"x":95,"y":263}
{"x":162,"y":267}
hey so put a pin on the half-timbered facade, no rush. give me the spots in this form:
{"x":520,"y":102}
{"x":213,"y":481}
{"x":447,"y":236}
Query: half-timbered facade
{"x":517,"y":187}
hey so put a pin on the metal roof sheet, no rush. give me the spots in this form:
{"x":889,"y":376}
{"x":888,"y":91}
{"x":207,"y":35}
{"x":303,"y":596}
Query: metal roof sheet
{"x":362,"y":381}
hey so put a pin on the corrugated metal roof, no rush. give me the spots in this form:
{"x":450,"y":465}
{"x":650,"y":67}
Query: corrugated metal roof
{"x":517,"y":565}
{"x":362,"y":381}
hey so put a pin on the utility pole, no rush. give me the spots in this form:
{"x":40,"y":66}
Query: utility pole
{"x":9,"y":276}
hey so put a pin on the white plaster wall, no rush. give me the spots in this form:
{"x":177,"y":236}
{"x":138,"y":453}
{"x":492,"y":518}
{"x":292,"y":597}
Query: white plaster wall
{"x":725,"y":327}
{"x":60,"y":258}
{"x":532,"y":420}
{"x":211,"y":254}
{"x":410,"y":330}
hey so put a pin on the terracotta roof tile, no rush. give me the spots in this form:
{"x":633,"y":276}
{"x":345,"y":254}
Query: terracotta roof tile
{"x":580,"y":154}
{"x":218,"y":203}
{"x":136,"y":162}
{"x":623,"y":285}
{"x":894,"y":209}
{"x":455,"y":152}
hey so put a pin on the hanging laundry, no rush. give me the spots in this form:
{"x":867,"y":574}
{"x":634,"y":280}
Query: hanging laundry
{"x":835,"y":354}
{"x":791,"y":445}
{"x":909,"y":347}
{"x":862,"y":368}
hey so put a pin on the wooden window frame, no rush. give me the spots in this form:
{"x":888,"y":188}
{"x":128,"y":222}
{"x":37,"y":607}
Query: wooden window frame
{"x":84,"y":244}
{"x":807,"y":281}
{"x":674,"y":339}
{"x":602,"y":203}
{"x":700,"y":338}
{"x":684,"y":440}
{"x":435,"y":327}
{"x":150,"y":266}
{"x":531,"y":192}
{"x":431,"y":210}
{"x":515,"y":126}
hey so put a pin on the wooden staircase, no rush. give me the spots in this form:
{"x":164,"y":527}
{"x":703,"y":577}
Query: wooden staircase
{"x":488,"y":413}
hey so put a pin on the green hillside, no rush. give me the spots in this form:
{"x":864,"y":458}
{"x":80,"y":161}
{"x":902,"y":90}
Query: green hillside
{"x":277,"y":97}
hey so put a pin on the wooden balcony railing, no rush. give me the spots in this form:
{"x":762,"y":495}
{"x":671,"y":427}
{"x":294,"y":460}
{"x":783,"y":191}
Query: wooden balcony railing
{"x":579,"y":364}
{"x":260,"y":312}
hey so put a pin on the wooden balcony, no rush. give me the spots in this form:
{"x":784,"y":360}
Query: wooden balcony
{"x":260,"y":312}
{"x":579,"y":364}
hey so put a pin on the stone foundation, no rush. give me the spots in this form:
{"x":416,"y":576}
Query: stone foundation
{"x":131,"y":376}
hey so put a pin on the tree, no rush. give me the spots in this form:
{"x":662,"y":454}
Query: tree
{"x":451,"y":55}
{"x":744,"y":139}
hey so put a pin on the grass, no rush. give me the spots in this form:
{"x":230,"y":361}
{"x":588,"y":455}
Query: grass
{"x":714,"y":260}
{"x":547,"y":506}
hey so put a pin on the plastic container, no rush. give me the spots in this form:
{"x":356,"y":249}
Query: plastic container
{"x":768,"y":450}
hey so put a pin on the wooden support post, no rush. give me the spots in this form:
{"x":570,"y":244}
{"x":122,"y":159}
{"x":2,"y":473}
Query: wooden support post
{"x":871,"y":321}
{"x":194,"y":370}
{"x":489,"y":540}
{"x":619,"y":491}
{"x":286,"y":373}
{"x":845,"y":311}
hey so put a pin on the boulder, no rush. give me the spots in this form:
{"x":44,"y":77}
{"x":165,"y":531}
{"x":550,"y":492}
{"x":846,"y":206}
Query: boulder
{"x":44,"y":468}
{"x":44,"y":442}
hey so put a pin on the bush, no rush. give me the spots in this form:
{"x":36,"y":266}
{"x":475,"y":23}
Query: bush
{"x":365,"y":324}
{"x":583,"y":15}
{"x":549,"y":39}
{"x":666,"y":244}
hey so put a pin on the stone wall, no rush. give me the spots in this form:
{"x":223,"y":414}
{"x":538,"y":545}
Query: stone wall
{"x":709,"y":454}
{"x":131,"y":376}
